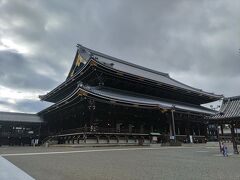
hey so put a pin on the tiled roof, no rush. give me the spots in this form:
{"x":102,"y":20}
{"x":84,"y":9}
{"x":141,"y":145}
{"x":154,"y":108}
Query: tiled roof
{"x":19,"y":117}
{"x":128,"y":67}
{"x":230,"y":109}
{"x":129,"y":70}
{"x":116,"y":96}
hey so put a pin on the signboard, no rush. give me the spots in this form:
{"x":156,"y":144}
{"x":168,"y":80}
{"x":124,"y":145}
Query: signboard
{"x":154,"y":138}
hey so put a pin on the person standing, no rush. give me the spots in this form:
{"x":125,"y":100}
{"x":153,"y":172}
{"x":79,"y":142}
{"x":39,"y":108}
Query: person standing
{"x":225,"y":150}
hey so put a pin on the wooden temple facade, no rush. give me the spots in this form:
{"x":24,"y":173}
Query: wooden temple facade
{"x":105,"y":99}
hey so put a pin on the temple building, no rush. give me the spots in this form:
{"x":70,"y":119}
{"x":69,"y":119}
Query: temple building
{"x":19,"y":128}
{"x":229,"y":114}
{"x":105,"y":99}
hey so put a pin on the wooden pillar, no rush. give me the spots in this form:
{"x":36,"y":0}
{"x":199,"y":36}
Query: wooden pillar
{"x":141,"y":128}
{"x":187,"y":129}
{"x":91,"y":119}
{"x":173,"y":126}
{"x":118,"y":127}
{"x":178,"y":131}
{"x":39,"y":132}
{"x":235,"y":148}
{"x":91,"y":107}
{"x":151,"y":128}
{"x":218,"y":138}
{"x":221,"y":130}
{"x":130,"y":126}
{"x":170,"y":128}
{"x":199,"y":131}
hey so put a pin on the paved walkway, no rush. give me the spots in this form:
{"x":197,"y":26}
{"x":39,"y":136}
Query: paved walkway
{"x":196,"y":162}
{"x":9,"y":171}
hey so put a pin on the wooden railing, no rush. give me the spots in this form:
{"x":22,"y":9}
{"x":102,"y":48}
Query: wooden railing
{"x":100,"y":130}
{"x":77,"y":132}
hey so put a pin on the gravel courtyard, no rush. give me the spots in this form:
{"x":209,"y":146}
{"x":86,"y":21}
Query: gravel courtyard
{"x":196,"y":162}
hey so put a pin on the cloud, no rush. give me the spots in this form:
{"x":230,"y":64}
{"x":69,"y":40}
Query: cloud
{"x":27,"y":106}
{"x":196,"y":42}
{"x":17,"y":72}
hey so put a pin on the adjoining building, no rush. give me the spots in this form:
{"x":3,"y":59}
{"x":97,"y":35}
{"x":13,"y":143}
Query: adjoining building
{"x":19,"y":128}
{"x":229,"y":114}
{"x":105,"y":99}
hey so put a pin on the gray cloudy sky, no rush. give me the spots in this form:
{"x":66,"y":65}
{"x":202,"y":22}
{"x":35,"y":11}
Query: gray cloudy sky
{"x":196,"y":42}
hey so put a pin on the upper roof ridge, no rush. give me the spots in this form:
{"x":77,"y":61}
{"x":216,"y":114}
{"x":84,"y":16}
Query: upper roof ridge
{"x":121,"y":61}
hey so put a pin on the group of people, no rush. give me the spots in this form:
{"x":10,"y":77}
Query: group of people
{"x":223,"y":149}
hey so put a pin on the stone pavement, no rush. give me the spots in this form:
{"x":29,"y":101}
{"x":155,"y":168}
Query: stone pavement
{"x":195,"y":162}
